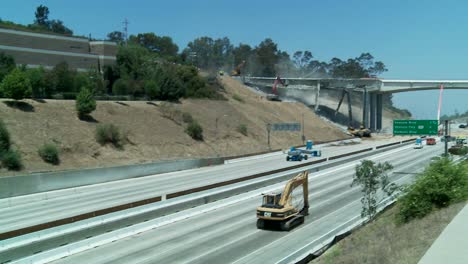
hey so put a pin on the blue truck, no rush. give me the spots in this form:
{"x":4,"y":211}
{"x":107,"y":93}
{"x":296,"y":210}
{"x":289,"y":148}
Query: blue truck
{"x":295,"y":154}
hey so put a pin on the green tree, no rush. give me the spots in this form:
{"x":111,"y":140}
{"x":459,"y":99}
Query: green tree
{"x":266,"y":57}
{"x":38,"y":82}
{"x":132,"y":61}
{"x":163,"y":46}
{"x":42,"y":16}
{"x":116,"y":36}
{"x":57,"y":26}
{"x":85,"y":102}
{"x":7,"y":64}
{"x":371,"y":177}
{"x":16,"y":85}
{"x":151,"y":89}
{"x":62,"y":78}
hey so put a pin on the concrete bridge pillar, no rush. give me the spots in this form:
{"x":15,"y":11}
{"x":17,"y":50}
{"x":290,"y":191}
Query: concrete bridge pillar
{"x":379,"y":111}
{"x":365,"y":112}
{"x":373,"y":110}
{"x":317,"y":94}
{"x":376,"y":106}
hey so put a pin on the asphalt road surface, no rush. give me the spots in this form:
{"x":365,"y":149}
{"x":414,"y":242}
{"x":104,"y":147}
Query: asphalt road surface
{"x":228,"y":234}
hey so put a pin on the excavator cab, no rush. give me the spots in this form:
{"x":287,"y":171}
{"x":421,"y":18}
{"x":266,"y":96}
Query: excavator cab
{"x":272,"y":200}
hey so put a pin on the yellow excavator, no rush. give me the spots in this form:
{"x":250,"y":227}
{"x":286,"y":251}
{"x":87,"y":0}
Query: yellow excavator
{"x":278,"y":209}
{"x":239,"y":69}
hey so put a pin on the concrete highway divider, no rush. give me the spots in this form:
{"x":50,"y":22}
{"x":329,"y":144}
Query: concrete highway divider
{"x":339,"y":159}
{"x":11,"y":186}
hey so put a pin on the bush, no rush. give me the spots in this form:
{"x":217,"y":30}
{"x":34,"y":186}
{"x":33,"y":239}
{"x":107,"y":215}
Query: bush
{"x":195,"y":131}
{"x":187,"y":118}
{"x":237,"y":98}
{"x":242,"y":128}
{"x":38,"y":82}
{"x":85,"y":103}
{"x":458,"y":150}
{"x":120,"y":87}
{"x":108,"y":133}
{"x":49,"y":153}
{"x":12,"y":160}
{"x":5,"y":141}
{"x":440,"y":185}
{"x":16,"y":85}
{"x":151,"y":89}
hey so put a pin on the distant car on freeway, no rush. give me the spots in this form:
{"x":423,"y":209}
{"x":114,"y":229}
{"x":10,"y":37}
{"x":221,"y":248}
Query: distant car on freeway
{"x":430,"y":141}
{"x":462,"y":126}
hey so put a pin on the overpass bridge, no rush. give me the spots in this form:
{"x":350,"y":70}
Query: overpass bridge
{"x":372,"y":90}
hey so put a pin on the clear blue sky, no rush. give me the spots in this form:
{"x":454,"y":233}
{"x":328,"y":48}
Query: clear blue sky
{"x":415,"y":39}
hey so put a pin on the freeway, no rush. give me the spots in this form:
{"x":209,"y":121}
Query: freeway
{"x":29,"y":210}
{"x":225,"y":232}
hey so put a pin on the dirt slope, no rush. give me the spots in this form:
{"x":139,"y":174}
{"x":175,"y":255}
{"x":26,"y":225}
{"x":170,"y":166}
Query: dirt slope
{"x":150,"y":135}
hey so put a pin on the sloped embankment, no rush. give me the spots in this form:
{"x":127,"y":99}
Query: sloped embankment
{"x":152,"y":136}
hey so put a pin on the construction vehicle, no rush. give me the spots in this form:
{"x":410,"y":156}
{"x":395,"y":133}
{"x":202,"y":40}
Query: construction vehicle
{"x":362,"y":131}
{"x":278,"y":208}
{"x":238,"y":70}
{"x":295,"y":154}
{"x":274,"y":96}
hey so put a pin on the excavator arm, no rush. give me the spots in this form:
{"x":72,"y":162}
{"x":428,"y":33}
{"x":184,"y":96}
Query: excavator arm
{"x":300,"y":179}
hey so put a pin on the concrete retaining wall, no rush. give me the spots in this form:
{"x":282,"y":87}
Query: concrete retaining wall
{"x":11,"y":186}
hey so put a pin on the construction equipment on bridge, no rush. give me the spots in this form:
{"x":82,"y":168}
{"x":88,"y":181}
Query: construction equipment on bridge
{"x":239,"y":69}
{"x":275,"y":96}
{"x":279,"y":208}
{"x":300,"y":154}
{"x":362,"y":131}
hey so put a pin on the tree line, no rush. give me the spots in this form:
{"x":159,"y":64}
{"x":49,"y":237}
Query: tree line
{"x":153,"y":67}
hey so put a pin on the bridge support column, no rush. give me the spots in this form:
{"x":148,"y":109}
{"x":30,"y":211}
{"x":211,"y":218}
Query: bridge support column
{"x":373,"y":110}
{"x":317,"y":95}
{"x":365,"y":113}
{"x":379,"y":111}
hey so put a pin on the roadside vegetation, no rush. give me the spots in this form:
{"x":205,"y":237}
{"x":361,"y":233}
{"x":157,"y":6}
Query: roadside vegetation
{"x":406,"y":230}
{"x":9,"y":157}
{"x":109,"y":134}
{"x":49,"y":153}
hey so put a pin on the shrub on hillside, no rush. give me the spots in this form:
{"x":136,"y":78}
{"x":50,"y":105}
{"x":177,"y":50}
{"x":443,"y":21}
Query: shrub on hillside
{"x":5,"y":141}
{"x":85,"y":103}
{"x":12,"y":160}
{"x":242,"y":128}
{"x":458,"y":150}
{"x":151,"y":89}
{"x":109,"y":133}
{"x":49,"y":153}
{"x":195,"y":131}
{"x":16,"y":85}
{"x":120,"y":87}
{"x":440,"y":185}
{"x":187,"y":118}
{"x":238,"y":98}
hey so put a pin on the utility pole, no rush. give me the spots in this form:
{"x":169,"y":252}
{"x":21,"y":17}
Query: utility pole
{"x":446,"y":137}
{"x":126,"y":30}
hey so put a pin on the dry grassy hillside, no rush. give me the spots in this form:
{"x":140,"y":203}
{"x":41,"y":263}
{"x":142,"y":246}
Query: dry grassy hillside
{"x":151,"y":136}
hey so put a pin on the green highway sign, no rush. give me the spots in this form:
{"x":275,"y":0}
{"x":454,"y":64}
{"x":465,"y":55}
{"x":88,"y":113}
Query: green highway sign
{"x":415,"y":127}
